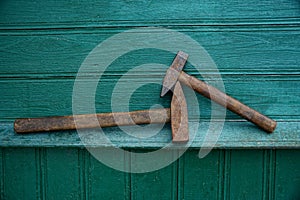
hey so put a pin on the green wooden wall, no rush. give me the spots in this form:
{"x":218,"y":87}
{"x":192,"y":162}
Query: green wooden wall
{"x":72,"y":173}
{"x":256,"y":46}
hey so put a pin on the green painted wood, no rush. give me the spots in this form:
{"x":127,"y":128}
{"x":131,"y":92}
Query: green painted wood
{"x":61,"y":174}
{"x":201,"y":178}
{"x":103,"y":182}
{"x":246,"y":174}
{"x":287,"y":175}
{"x":269,"y":174}
{"x":235,"y":174}
{"x":277,"y":97}
{"x":234,"y":135}
{"x":255,"y":46}
{"x":1,"y":173}
{"x":60,"y":53}
{"x":160,"y":184}
{"x":21,"y":174}
{"x":21,"y":11}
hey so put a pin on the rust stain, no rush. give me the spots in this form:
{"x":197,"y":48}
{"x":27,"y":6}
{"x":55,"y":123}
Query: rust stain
{"x":30,"y":125}
{"x":179,"y":115}
{"x":175,"y":73}
{"x":228,"y":102}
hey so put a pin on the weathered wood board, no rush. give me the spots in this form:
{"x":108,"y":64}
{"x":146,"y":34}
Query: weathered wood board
{"x":255,"y":45}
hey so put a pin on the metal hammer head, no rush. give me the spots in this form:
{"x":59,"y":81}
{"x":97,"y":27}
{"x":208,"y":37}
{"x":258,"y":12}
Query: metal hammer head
{"x":179,"y":115}
{"x":173,"y":72}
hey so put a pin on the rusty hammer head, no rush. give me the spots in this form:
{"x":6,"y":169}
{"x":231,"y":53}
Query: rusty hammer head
{"x":173,"y":72}
{"x":179,"y":114}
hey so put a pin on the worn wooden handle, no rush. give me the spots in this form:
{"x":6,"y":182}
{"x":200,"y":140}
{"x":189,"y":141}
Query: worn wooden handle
{"x":230,"y":103}
{"x":29,"y":125}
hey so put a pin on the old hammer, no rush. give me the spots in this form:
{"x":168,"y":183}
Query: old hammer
{"x":177,"y":115}
{"x":175,"y":73}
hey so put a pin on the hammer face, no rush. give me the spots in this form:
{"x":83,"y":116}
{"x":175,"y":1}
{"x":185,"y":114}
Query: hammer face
{"x":173,"y":72}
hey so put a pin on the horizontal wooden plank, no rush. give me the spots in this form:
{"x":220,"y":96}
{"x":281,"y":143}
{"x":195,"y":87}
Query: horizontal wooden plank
{"x":184,"y":25}
{"x":22,"y":11}
{"x":52,"y":54}
{"x":275,"y":96}
{"x":234,"y":135}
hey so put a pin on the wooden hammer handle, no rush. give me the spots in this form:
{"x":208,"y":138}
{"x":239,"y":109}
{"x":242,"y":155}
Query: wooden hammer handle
{"x":228,"y":102}
{"x":29,"y":125}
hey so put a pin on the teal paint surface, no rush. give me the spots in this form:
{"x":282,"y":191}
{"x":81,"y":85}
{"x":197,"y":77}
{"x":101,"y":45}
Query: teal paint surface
{"x":48,"y":173}
{"x":255,"y":45}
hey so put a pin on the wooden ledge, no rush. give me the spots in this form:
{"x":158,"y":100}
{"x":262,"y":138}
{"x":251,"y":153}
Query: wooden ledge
{"x":234,"y":135}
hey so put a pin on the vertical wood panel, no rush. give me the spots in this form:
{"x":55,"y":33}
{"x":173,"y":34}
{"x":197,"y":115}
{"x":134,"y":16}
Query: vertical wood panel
{"x":1,"y":174}
{"x":104,"y":182}
{"x":160,"y":184}
{"x":200,"y":176}
{"x":287,"y":180}
{"x":40,"y":172}
{"x":20,"y":180}
{"x":268,"y":174}
{"x":225,"y":174}
{"x":246,"y":174}
{"x":29,"y":173}
{"x":82,"y":155}
{"x":62,"y":173}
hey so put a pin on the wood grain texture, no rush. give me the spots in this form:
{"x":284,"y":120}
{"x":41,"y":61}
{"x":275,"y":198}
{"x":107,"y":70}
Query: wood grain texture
{"x":269,"y":174}
{"x":44,"y":54}
{"x":103,"y":182}
{"x":287,"y":175}
{"x":200,"y":177}
{"x":234,"y":174}
{"x":228,"y":102}
{"x":88,"y":121}
{"x":255,"y":45}
{"x":275,"y":96}
{"x":20,"y":177}
{"x":43,"y":45}
{"x":22,"y":11}
{"x":159,"y":184}
{"x":62,"y":174}
{"x":246,"y":174}
{"x":2,"y":173}
{"x":234,"y":135}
